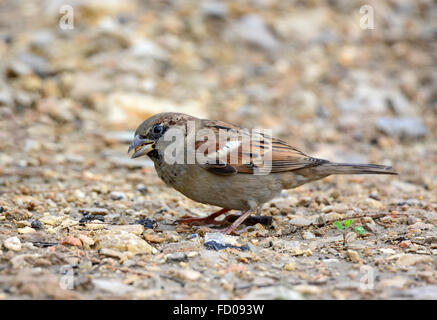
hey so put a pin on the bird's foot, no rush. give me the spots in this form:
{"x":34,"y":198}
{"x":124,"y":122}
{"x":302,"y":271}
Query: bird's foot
{"x":232,"y":228}
{"x":209,"y":220}
{"x":198,"y":221}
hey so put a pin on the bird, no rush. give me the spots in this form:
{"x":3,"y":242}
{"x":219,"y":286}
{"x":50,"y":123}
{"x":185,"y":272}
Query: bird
{"x":216,"y":163}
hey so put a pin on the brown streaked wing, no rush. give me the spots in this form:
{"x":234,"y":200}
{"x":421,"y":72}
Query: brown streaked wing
{"x":284,"y":157}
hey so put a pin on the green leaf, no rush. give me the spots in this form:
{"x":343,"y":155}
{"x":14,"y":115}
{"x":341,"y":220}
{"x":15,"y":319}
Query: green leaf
{"x":338,"y":225}
{"x":359,"y":230}
{"x":348,"y":223}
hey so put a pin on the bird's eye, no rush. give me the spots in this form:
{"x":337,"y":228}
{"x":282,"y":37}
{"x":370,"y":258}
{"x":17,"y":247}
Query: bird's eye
{"x":157,"y":128}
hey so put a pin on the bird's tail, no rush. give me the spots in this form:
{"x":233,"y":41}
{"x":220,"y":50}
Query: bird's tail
{"x":349,"y":168}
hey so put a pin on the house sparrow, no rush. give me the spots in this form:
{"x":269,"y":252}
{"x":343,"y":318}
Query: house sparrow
{"x":232,"y":175}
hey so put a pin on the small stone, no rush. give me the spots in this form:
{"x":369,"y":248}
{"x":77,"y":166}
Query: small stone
{"x":112,"y":253}
{"x":36,"y":224}
{"x":135,"y":229}
{"x":421,"y":293}
{"x":396,"y":282}
{"x":176,"y":257}
{"x":308,"y":235}
{"x":373,"y":204}
{"x":94,"y":211}
{"x":112,"y":286}
{"x":117,"y":195}
{"x":421,"y":226}
{"x":79,"y":194}
{"x":402,"y":127}
{"x":52,"y":220}
{"x":153,"y":238}
{"x":252,"y":29}
{"x":129,"y":263}
{"x":307,"y":289}
{"x":304,"y":201}
{"x":18,"y":215}
{"x":353,"y":256}
{"x":122,"y":241}
{"x":172,"y":236}
{"x":291,"y":266}
{"x":215,"y":9}
{"x":25,"y":230}
{"x":371,"y":227}
{"x":300,"y":222}
{"x":335,"y":194}
{"x":147,"y":223}
{"x":189,"y":274}
{"x":71,"y":241}
{"x":86,"y":241}
{"x":142,"y":189}
{"x":12,"y":243}
{"x":410,"y":259}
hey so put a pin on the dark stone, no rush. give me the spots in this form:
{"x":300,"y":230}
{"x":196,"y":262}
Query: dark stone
{"x":214,"y":245}
{"x":146,"y":223}
{"x":36,"y":224}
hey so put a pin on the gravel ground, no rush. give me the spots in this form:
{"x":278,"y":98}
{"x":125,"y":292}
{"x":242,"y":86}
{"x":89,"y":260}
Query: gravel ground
{"x":80,"y":220}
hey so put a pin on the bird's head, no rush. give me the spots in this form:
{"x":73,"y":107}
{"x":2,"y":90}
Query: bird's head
{"x":149,"y":136}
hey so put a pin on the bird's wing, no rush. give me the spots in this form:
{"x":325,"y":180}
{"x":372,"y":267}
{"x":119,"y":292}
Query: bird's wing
{"x":230,"y":150}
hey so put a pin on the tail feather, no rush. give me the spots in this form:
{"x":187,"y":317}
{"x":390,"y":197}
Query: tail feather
{"x":349,"y":168}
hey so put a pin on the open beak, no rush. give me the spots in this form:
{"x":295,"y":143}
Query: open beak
{"x":141,"y":147}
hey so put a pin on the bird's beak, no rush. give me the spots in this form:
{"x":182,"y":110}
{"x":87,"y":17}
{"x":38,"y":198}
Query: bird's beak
{"x":141,"y":147}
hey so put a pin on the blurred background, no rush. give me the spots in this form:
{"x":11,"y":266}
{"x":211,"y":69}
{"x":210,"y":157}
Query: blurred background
{"x":77,"y":77}
{"x":334,"y":78}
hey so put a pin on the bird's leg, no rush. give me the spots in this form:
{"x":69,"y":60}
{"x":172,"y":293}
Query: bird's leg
{"x":236,"y":223}
{"x":204,"y":221}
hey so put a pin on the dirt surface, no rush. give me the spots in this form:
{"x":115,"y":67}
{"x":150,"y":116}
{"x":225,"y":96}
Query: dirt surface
{"x":79,"y":219}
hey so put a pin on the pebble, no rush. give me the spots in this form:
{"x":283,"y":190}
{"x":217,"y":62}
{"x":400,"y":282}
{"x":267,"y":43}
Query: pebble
{"x":252,"y":29}
{"x":410,"y":259}
{"x":136,"y":229}
{"x":176,"y":257}
{"x":291,"y":266}
{"x":86,"y":241}
{"x":420,"y":293}
{"x":353,"y":256}
{"x":307,"y":289}
{"x":25,"y":230}
{"x":79,"y":194}
{"x":112,"y":286}
{"x":122,"y":241}
{"x":402,"y":127}
{"x":52,"y":220}
{"x":36,"y":224}
{"x":308,"y":235}
{"x":395,"y":282}
{"x":300,"y":222}
{"x":94,"y":211}
{"x":12,"y":243}
{"x":373,"y":204}
{"x":129,"y":263}
{"x":142,"y":189}
{"x":172,"y":236}
{"x":71,"y":241}
{"x":189,"y":274}
{"x":214,"y":9}
{"x":117,"y":195}
{"x":112,"y":253}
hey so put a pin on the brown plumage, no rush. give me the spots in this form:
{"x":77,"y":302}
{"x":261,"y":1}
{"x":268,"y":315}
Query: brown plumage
{"x":241,"y":171}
